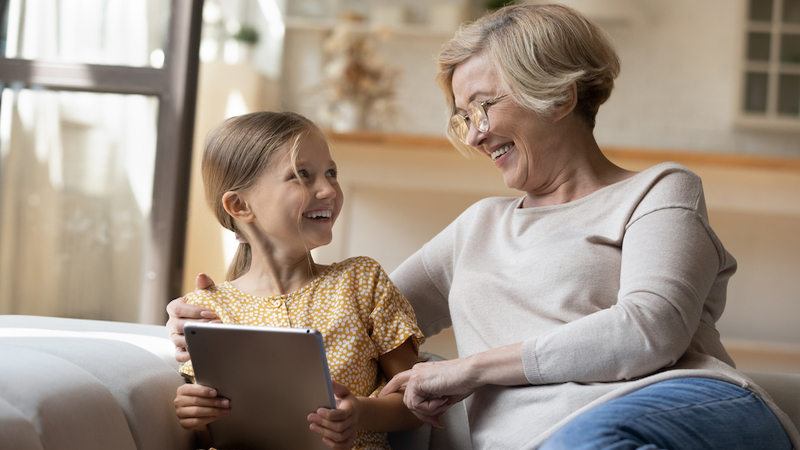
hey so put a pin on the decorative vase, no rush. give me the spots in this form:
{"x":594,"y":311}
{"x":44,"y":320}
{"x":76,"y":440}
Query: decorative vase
{"x":348,"y":116}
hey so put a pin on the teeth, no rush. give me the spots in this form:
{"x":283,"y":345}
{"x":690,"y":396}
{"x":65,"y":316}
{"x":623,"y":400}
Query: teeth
{"x":318,"y":214}
{"x":500,"y":151}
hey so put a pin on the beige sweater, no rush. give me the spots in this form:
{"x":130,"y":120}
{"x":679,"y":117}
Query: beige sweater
{"x":609,"y":293}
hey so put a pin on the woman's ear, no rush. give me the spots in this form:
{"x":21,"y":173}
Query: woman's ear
{"x":569,"y":105}
{"x":237,"y":207}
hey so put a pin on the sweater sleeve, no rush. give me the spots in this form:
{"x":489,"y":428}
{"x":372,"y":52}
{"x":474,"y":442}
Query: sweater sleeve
{"x":670,"y":263}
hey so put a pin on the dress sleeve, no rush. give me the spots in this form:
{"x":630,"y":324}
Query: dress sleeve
{"x":393,"y":319}
{"x":672,"y":268}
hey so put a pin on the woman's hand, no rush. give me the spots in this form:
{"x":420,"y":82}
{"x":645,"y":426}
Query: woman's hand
{"x":337,"y":426}
{"x":431,"y":388}
{"x":180,"y":312}
{"x":197,"y":406}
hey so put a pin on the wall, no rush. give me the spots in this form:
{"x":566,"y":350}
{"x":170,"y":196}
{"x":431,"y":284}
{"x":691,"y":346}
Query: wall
{"x":678,"y":89}
{"x":399,"y":195}
{"x":679,"y":85}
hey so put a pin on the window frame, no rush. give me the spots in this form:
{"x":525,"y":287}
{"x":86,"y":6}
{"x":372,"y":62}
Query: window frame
{"x":175,"y":85}
{"x":774,"y":68}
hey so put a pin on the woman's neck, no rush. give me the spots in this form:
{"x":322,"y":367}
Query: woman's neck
{"x":579,"y":168}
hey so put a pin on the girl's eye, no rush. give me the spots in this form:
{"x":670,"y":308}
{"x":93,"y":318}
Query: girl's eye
{"x":332,"y":173}
{"x":303,"y":173}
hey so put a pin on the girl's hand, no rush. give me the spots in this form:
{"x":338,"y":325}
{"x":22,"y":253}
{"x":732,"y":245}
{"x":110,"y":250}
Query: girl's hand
{"x":431,"y":388}
{"x":337,"y":426}
{"x":197,"y":406}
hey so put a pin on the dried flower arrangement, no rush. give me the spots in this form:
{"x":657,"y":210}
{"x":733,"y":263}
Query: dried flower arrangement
{"x":359,"y":84}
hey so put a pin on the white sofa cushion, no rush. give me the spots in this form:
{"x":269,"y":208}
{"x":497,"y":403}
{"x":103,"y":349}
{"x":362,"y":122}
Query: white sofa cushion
{"x":79,"y":385}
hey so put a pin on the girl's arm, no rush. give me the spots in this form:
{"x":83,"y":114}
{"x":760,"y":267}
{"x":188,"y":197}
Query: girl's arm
{"x":387,"y":413}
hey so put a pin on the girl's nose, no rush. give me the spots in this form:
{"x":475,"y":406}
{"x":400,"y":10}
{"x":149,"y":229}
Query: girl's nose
{"x":325,"y":189}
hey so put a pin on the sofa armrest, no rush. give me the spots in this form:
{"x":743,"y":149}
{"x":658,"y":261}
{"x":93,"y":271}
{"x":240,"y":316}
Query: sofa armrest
{"x":784,"y":388}
{"x":78,"y":385}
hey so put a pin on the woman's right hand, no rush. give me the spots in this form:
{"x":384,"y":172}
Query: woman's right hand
{"x":431,"y":388}
{"x":197,"y":406}
{"x":180,"y":312}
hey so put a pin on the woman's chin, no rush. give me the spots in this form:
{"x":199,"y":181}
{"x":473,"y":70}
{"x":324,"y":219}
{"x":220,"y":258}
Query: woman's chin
{"x":512,"y":181}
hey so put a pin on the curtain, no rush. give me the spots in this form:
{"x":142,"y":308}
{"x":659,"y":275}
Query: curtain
{"x":76,"y":168}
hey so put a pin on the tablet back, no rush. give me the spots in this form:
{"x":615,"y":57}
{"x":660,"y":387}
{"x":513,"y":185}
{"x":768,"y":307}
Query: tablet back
{"x":274,"y":377}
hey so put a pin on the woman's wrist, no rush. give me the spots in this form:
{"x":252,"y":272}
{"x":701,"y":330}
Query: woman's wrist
{"x":500,"y":366}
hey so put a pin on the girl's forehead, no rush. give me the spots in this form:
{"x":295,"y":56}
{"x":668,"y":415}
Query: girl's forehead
{"x":313,"y":146}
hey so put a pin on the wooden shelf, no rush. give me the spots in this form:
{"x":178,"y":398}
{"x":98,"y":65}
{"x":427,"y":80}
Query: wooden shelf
{"x":685,"y":157}
{"x":405,"y":30}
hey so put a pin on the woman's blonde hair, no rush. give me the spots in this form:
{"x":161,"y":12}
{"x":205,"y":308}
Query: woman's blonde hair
{"x":538,"y":52}
{"x":236,"y":154}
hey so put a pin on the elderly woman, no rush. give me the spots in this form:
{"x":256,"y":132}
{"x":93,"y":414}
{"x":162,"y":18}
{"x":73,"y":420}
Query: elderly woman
{"x":584,"y":311}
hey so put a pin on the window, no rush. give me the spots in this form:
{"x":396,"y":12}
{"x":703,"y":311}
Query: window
{"x":771,"y":78}
{"x":97,"y":103}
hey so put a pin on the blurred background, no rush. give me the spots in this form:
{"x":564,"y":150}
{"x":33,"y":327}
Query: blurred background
{"x":106,"y":103}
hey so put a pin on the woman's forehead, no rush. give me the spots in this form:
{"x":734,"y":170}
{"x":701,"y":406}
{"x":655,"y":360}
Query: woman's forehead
{"x":476,"y":76}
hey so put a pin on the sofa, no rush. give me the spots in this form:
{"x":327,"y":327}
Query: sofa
{"x":88,"y":384}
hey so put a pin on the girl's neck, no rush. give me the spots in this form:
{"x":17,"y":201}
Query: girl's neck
{"x":268,"y":277}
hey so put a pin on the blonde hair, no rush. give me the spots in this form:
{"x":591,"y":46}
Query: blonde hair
{"x":236,"y":154}
{"x":538,"y":52}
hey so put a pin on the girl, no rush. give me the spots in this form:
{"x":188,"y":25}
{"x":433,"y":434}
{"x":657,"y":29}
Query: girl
{"x":269,"y":178}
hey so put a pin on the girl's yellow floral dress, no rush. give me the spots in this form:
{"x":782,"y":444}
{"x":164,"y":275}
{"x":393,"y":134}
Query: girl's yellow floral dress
{"x":353,"y":304}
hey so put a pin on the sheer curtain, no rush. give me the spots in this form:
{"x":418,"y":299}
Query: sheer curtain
{"x":76,"y":168}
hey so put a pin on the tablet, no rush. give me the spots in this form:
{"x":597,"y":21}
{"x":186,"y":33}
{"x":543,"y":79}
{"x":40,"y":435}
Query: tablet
{"x":274,"y":377}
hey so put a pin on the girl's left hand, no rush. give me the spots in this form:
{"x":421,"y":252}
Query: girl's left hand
{"x":337,"y":426}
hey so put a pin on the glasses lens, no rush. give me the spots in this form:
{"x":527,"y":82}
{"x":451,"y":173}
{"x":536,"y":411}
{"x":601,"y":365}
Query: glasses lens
{"x":460,"y":127}
{"x":478,"y":116}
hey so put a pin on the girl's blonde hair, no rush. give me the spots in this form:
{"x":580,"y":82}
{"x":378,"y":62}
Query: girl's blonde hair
{"x":236,"y":154}
{"x":538,"y":52}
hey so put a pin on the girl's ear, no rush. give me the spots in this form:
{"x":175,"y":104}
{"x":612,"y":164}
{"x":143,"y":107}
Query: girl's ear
{"x":237,"y":207}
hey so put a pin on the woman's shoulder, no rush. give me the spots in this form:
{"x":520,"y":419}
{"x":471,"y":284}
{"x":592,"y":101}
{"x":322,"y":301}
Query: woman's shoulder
{"x":669,"y":173}
{"x":489,"y":206}
{"x":667,"y":184}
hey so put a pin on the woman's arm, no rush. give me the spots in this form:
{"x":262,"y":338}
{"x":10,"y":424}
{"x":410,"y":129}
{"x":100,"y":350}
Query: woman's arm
{"x":432,"y":387}
{"x":669,"y":276}
{"x":413,"y":280}
{"x":180,"y":312}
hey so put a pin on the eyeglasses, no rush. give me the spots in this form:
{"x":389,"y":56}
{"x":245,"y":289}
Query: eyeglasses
{"x":476,"y":114}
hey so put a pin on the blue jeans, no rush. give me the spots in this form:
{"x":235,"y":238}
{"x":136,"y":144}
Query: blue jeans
{"x":679,"y":414}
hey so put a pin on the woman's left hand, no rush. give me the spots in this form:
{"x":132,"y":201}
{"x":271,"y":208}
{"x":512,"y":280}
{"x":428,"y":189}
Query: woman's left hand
{"x":337,"y":426}
{"x":431,"y":388}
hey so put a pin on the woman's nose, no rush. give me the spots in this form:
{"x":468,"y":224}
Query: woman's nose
{"x":475,"y":136}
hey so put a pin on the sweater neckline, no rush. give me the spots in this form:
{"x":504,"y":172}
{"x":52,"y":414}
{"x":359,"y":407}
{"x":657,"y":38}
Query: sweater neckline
{"x":586,"y":198}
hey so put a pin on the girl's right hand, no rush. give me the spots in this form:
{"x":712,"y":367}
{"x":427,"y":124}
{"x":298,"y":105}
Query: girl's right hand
{"x":197,"y":406}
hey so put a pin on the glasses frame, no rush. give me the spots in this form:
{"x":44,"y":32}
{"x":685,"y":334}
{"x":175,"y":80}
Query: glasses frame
{"x":476,"y":114}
